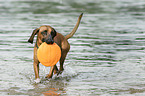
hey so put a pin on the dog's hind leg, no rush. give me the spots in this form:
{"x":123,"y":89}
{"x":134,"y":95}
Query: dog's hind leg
{"x":55,"y":69}
{"x":62,"y":59}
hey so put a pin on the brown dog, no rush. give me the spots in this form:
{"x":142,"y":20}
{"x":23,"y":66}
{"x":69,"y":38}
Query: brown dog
{"x":48,"y":34}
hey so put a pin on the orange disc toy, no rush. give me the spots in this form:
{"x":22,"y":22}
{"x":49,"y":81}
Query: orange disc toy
{"x":48,"y":54}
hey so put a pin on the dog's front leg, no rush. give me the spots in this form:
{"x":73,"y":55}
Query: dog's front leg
{"x":36,"y":69}
{"x":36,"y":66}
{"x":50,"y":72}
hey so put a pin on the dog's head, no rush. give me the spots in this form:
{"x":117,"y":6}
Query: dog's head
{"x":44,"y":34}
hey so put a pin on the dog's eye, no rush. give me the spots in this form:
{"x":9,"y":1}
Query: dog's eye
{"x":44,"y":32}
{"x":53,"y":33}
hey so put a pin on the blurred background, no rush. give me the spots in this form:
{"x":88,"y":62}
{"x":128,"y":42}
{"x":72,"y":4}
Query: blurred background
{"x":107,"y":54}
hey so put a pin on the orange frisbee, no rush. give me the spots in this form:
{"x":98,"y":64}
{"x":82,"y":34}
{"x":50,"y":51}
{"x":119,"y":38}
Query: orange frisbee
{"x":48,"y":54}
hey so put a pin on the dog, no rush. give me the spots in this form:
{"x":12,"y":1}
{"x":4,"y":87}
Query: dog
{"x":48,"y":34}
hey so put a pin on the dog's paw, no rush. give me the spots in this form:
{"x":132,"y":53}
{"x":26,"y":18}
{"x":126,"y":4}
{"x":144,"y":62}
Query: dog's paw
{"x":59,"y":72}
{"x":48,"y":76}
{"x":37,"y":80}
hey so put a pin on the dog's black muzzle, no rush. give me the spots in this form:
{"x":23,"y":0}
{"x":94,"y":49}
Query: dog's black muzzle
{"x":49,"y":40}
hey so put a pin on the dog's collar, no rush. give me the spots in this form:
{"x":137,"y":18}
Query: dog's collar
{"x":37,"y":45}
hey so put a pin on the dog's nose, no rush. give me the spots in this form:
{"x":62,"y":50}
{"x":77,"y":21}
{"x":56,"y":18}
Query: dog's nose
{"x":49,"y":40}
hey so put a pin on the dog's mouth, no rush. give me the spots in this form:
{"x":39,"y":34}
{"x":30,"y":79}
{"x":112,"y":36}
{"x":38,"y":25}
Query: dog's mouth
{"x":48,"y":40}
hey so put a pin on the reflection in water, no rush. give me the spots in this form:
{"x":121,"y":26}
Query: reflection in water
{"x":52,"y":92}
{"x":54,"y":87}
{"x":106,"y":56}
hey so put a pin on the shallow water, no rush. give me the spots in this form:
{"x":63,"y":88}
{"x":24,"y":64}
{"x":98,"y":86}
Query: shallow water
{"x":107,"y":55}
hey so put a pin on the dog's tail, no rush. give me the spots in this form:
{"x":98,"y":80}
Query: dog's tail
{"x":75,"y":28}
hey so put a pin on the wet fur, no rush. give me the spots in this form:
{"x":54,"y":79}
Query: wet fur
{"x":50,"y":36}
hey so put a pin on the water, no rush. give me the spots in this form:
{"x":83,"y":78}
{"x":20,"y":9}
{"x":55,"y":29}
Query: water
{"x":107,"y":55}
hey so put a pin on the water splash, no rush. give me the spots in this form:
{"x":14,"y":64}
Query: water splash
{"x":67,"y":74}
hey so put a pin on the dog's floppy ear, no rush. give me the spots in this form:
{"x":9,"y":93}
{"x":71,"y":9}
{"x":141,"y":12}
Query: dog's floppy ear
{"x":32,"y":35}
